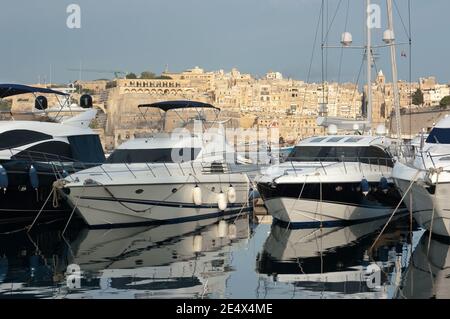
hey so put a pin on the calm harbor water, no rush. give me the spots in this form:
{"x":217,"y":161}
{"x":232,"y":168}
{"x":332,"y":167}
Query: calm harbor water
{"x":232,"y":258}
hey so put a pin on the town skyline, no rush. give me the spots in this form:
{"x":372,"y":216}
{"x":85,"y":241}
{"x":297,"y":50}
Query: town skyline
{"x":292,"y":106}
{"x":90,"y":76}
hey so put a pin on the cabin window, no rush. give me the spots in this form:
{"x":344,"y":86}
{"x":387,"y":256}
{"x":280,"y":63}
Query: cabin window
{"x":16,"y":138}
{"x":87,"y":148}
{"x":439,"y":136}
{"x":161,"y":155}
{"x":367,"y":154}
{"x":335,"y":139}
{"x":373,"y":152}
{"x":46,"y":151}
{"x":353,"y":139}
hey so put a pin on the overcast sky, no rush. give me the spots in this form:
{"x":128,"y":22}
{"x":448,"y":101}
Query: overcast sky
{"x":253,"y":35}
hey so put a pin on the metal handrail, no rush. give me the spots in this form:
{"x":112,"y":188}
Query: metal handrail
{"x":348,"y":159}
{"x":133,"y":171}
{"x":432,"y":158}
{"x":59,"y":164}
{"x":30,"y":153}
{"x":343,"y":160}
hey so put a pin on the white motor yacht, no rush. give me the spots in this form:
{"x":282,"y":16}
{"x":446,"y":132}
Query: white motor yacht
{"x":34,"y":154}
{"x":332,"y":180}
{"x":427,"y":177}
{"x":161,"y":179}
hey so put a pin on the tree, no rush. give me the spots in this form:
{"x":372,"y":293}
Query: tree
{"x":5,"y":105}
{"x":131,"y":75}
{"x":94,"y":124}
{"x":417,"y":98}
{"x":445,"y":102}
{"x":148,"y":75}
{"x":111,"y":84}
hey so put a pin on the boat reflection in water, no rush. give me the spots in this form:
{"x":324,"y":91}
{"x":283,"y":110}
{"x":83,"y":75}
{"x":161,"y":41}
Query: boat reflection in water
{"x":3,"y":268}
{"x":428,"y":274}
{"x":188,"y":260}
{"x":332,"y":262}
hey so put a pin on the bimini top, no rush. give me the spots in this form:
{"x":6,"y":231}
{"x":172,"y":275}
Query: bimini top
{"x":179,"y":104}
{"x":16,"y":89}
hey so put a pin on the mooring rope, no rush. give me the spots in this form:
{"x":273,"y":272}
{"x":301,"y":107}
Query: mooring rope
{"x":73,"y":211}
{"x":41,"y":210}
{"x":432,"y":171}
{"x":58,"y":184}
{"x":395,"y":210}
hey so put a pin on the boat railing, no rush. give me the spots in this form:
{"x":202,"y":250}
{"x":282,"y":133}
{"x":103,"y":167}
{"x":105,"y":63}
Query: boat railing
{"x":63,"y":167}
{"x":155,"y":170}
{"x":409,"y":153}
{"x":59,"y":165}
{"x":433,"y":158}
{"x":204,"y":166}
{"x":375,"y":164}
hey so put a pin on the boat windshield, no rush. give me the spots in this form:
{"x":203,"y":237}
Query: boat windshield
{"x":439,"y":136}
{"x":159,"y":155}
{"x":365,"y":154}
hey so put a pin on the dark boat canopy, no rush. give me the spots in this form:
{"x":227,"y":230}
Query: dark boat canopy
{"x":180,"y":104}
{"x":16,"y":89}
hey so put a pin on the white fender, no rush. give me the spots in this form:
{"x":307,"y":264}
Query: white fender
{"x":222,"y":201}
{"x":198,"y":243}
{"x":222,"y":229}
{"x":231,"y":195}
{"x":197,"y":195}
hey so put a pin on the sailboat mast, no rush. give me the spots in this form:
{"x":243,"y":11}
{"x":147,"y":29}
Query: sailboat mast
{"x":369,"y":65}
{"x":390,"y":39}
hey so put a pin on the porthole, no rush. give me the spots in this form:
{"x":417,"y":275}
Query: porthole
{"x":139,"y":191}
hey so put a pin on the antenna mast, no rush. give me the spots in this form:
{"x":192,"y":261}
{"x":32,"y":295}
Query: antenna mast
{"x":369,"y":65}
{"x":389,"y":39}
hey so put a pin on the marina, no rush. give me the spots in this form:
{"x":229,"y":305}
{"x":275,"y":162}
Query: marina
{"x":205,"y":185}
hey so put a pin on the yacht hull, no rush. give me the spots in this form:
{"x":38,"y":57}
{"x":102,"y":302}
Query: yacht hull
{"x":309,"y":213}
{"x":155,"y":203}
{"x":20,"y":202}
{"x":422,"y":201}
{"x":313,"y":208}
